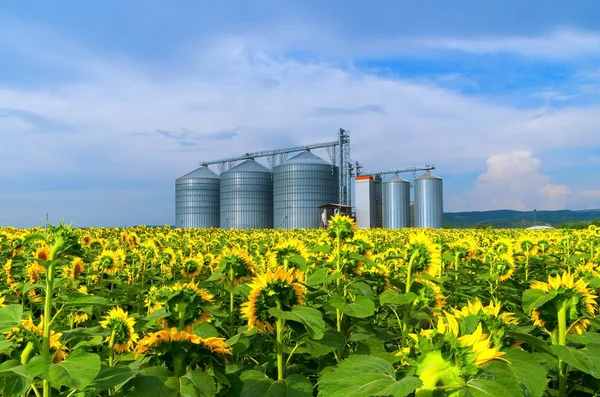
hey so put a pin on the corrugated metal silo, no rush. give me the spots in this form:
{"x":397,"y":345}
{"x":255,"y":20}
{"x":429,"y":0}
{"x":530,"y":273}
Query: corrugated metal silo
{"x":247,"y":197}
{"x":396,"y":203}
{"x":197,"y":199}
{"x":429,"y":201}
{"x":300,"y":186}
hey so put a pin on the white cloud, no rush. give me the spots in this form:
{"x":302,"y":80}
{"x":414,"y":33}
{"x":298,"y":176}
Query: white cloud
{"x":591,"y":193}
{"x":514,"y":180}
{"x":115,"y":109}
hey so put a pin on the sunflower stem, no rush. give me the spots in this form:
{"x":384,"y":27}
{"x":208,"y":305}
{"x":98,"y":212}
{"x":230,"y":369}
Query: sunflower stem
{"x":413,"y":257}
{"x":280,"y":325}
{"x":562,"y":340}
{"x":48,"y":313}
{"x":111,"y":344}
{"x":231,"y":301}
{"x":338,"y":282}
{"x":179,"y":365}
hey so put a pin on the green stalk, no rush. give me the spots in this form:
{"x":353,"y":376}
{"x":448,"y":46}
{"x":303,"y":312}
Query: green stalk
{"x":562,"y":340}
{"x":47,"y":321}
{"x":456,"y":266}
{"x":526,"y":267}
{"x":231,"y":302}
{"x":111,"y":344}
{"x":179,"y":365}
{"x":111,"y":356}
{"x":409,"y":282}
{"x":280,"y":325}
{"x":181,"y":312}
{"x":338,"y":282}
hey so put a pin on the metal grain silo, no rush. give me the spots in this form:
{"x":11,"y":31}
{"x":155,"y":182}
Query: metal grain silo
{"x":197,"y":199}
{"x":300,"y":186}
{"x":396,"y":203}
{"x":247,"y":197}
{"x":429,"y":202}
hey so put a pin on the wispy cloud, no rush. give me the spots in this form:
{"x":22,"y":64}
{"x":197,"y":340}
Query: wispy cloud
{"x":230,"y":96}
{"x":361,"y":110}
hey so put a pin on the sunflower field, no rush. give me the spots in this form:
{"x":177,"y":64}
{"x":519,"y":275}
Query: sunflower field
{"x":331,"y":312}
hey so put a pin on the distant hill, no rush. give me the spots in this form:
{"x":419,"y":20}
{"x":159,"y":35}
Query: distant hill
{"x":511,"y":219}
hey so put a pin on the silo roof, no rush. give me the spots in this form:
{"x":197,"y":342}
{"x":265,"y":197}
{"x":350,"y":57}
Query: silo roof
{"x":306,"y":157}
{"x":203,"y":172}
{"x":249,"y":166}
{"x":428,"y":175}
{"x":396,"y":178}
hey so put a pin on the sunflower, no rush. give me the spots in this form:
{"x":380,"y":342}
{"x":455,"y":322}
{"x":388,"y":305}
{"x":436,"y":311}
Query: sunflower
{"x":238,"y":264}
{"x":579,"y":299}
{"x":30,"y":328}
{"x":503,"y":266}
{"x":2,"y":299}
{"x":423,"y":254}
{"x":481,"y":350}
{"x":74,"y":269}
{"x":429,"y":295}
{"x":284,"y":252}
{"x":341,"y":226}
{"x":121,"y":325}
{"x":185,"y":300}
{"x":42,"y":253}
{"x":279,"y":289}
{"x":110,"y":261}
{"x":192,"y":266}
{"x":171,"y":345}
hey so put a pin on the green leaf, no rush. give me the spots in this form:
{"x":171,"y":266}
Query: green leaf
{"x":113,"y":377}
{"x":76,"y":372}
{"x":319,"y":276}
{"x":257,"y":384}
{"x":10,"y":317}
{"x":13,"y":385}
{"x":331,"y":341}
{"x":197,"y":384}
{"x":6,"y":346}
{"x":206,"y":330}
{"x":320,"y":248}
{"x":392,"y":297}
{"x":365,"y":376}
{"x":495,"y":379}
{"x":469,"y":324}
{"x":299,"y":261}
{"x":311,"y":318}
{"x":362,"y":307}
{"x":532,"y":341}
{"x":79,"y":299}
{"x":530,"y":374}
{"x":586,"y":360}
{"x":534,"y":298}
{"x":585,"y":339}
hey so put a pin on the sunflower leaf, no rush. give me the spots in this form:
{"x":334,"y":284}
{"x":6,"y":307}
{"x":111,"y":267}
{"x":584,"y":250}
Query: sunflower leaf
{"x":365,"y":376}
{"x":311,"y":318}
{"x":79,"y":299}
{"x":534,"y":298}
{"x":362,"y":307}
{"x":394,"y":298}
{"x":10,"y":317}
{"x":531,"y":375}
{"x":586,"y":360}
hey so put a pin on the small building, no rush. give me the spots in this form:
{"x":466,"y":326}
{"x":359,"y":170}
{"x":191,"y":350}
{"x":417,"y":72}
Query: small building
{"x":326,"y":211}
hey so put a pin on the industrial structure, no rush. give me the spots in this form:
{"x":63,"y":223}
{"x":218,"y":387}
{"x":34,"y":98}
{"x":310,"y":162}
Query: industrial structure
{"x":304,"y":191}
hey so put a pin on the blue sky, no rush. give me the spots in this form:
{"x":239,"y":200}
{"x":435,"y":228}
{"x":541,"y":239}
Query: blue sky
{"x":104,"y":104}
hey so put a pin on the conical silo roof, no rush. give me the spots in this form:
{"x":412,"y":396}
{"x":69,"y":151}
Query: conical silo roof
{"x":249,"y":166}
{"x":428,"y":175}
{"x":306,"y":157}
{"x":396,"y":178}
{"x":203,"y":173}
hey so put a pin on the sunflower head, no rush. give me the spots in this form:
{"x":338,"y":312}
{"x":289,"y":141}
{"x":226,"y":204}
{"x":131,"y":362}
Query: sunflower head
{"x":274,"y":289}
{"x":578,"y":299}
{"x":168,"y":344}
{"x":341,"y":226}
{"x":123,"y":335}
{"x":237,"y":263}
{"x":424,"y":254}
{"x":192,"y":266}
